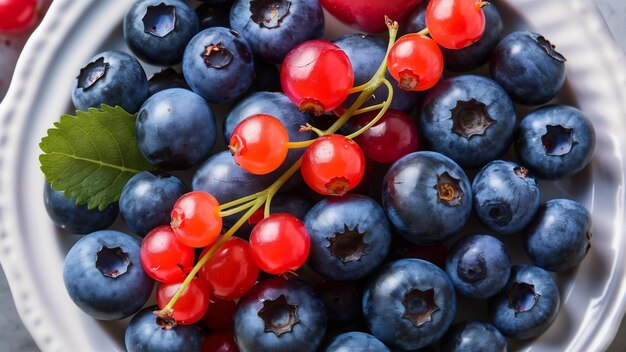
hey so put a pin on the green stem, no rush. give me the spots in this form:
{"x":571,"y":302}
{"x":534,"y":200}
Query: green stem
{"x":241,"y":200}
{"x":235,"y":210}
{"x":371,"y":108}
{"x":380,"y":114}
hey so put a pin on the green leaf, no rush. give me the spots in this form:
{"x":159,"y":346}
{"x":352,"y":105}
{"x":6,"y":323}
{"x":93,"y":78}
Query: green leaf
{"x":92,"y":155}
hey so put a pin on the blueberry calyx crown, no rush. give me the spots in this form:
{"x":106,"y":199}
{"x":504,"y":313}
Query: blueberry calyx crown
{"x":522,"y":297}
{"x":558,"y":140}
{"x":472,"y":273}
{"x":520,"y":172}
{"x":112,"y":262}
{"x":470,"y":118}
{"x":500,"y":212}
{"x":348,"y":245}
{"x":419,"y":306}
{"x":549,"y":48}
{"x":159,"y":20}
{"x":217,"y":56}
{"x":449,"y":190}
{"x":91,"y":73}
{"x":588,"y":235}
{"x":269,"y":13}
{"x":278,"y":315}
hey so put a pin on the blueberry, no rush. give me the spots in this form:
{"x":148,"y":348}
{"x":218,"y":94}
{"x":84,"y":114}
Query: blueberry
{"x":175,"y":129}
{"x":473,"y":336}
{"x":350,"y":237}
{"x":157,"y":31}
{"x":214,"y":15}
{"x":409,"y":304}
{"x":506,"y":196}
{"x":528,"y":67}
{"x":427,"y":197}
{"x":266,"y":78}
{"x":294,"y":203}
{"x":147,"y":200}
{"x":279,"y":315}
{"x":366,"y":52}
{"x":104,"y":277}
{"x":274,"y":27}
{"x":218,"y":65}
{"x":356,"y":341}
{"x":73,"y":218}
{"x":342,"y":301}
{"x":560,"y":236}
{"x":468,"y":118}
{"x":165,"y":79}
{"x":112,"y":78}
{"x":527,"y":305}
{"x":415,"y":20}
{"x":478,"y":266}
{"x":555,"y":141}
{"x":144,"y":334}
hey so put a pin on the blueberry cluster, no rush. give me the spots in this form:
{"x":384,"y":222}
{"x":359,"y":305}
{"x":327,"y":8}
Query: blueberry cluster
{"x":376,"y":277}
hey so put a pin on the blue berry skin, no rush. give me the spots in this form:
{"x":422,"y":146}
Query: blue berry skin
{"x":478,"y":266}
{"x":409,"y":304}
{"x":427,"y":197}
{"x":555,"y":141}
{"x":366,"y":52}
{"x":527,"y":305}
{"x":73,"y":218}
{"x":273,"y":28}
{"x":468,"y":118}
{"x":157,"y":31}
{"x":213,"y":15}
{"x":143,"y":334}
{"x":266,"y":78}
{"x":112,"y":78}
{"x":415,"y":20}
{"x":528,"y":67}
{"x":350,"y":237}
{"x":477,"y":54}
{"x":560,"y":236}
{"x":147,"y":200}
{"x":342,"y":301}
{"x":356,"y":341}
{"x":218,"y":65}
{"x":506,"y":196}
{"x":297,"y":314}
{"x":165,"y":79}
{"x":473,"y":336}
{"x":175,"y":129}
{"x":104,"y":277}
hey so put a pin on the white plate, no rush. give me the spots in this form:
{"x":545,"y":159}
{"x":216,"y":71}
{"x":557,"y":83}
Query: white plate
{"x":32,"y":251}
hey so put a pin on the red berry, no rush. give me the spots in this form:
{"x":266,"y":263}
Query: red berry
{"x":196,"y":219}
{"x":219,"y":342}
{"x":17,"y":15}
{"x":219,"y":315}
{"x":279,"y":243}
{"x":455,"y":24}
{"x":316,"y":76}
{"x":230,"y":272}
{"x":259,"y":144}
{"x":416,"y":62}
{"x":333,"y":165}
{"x":391,"y":138}
{"x":191,"y":305}
{"x":163,"y":257}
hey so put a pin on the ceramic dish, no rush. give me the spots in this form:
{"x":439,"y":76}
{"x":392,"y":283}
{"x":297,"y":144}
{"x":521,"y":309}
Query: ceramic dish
{"x":32,"y":250}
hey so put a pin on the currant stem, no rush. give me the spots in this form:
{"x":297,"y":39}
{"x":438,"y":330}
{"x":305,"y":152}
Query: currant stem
{"x":235,"y":210}
{"x":424,"y":31}
{"x":240,"y":200}
{"x":383,"y":110}
{"x":371,"y":108}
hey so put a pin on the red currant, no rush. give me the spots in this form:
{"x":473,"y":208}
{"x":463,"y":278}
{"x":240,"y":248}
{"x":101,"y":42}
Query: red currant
{"x":416,"y":62}
{"x":191,"y":305}
{"x":316,"y":76}
{"x":333,"y":165}
{"x":219,"y":315}
{"x":230,"y":272}
{"x":279,"y":243}
{"x":259,"y":144}
{"x":196,"y":219}
{"x":455,"y":24}
{"x":17,"y":15}
{"x":389,"y":139}
{"x":164,"y":258}
{"x":219,"y":342}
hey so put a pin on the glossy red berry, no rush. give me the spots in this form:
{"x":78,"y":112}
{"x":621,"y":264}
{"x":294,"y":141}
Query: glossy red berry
{"x":333,"y":165}
{"x":259,"y":144}
{"x":455,"y":24}
{"x":279,"y":243}
{"x":392,"y":137}
{"x":230,"y":272}
{"x":196,"y":219}
{"x":191,"y":305}
{"x":416,"y":62}
{"x":163,"y":257}
{"x":316,"y":76}
{"x":17,"y":15}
